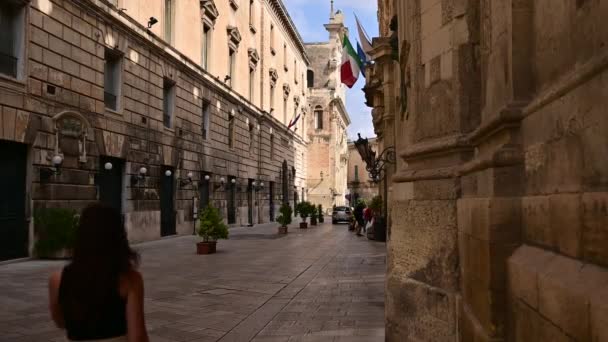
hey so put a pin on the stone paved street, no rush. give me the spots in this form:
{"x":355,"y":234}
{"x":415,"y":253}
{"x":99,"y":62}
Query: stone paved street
{"x":320,"y":284}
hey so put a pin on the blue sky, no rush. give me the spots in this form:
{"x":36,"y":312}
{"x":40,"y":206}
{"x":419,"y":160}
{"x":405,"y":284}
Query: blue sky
{"x":309,"y":17}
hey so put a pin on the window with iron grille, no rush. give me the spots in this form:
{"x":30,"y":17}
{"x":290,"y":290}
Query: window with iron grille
{"x":12,"y":25}
{"x":206,"y":119}
{"x":168,"y":102}
{"x":231,"y":131}
{"x":112,"y":79}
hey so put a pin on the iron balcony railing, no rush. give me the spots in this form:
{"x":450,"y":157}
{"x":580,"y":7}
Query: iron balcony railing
{"x":110,"y":100}
{"x":8,"y":64}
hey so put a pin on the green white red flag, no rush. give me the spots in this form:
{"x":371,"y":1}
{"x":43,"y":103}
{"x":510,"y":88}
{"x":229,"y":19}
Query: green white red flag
{"x":351,"y":64}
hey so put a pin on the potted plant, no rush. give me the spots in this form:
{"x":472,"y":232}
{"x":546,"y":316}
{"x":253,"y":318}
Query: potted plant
{"x":320,"y":212}
{"x":211,"y":229}
{"x":56,"y":230}
{"x":313,"y":214}
{"x":304,"y":211}
{"x":285,"y":218}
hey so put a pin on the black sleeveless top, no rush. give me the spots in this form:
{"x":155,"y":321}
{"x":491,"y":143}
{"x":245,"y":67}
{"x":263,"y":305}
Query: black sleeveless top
{"x":108,"y":320}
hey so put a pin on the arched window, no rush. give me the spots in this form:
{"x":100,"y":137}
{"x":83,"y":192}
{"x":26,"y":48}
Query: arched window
{"x":318,"y":117}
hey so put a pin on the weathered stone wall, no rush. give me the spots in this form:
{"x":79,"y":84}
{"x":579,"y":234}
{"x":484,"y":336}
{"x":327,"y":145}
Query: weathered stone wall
{"x":65,"y":44}
{"x":499,"y":220}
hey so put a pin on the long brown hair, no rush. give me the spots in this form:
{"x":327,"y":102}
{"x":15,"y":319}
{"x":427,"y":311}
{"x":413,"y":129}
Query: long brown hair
{"x":101,"y":256}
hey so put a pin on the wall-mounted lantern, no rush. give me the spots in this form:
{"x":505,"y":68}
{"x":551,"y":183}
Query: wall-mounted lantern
{"x":185,"y":181}
{"x":207,"y":178}
{"x":257,"y":186}
{"x":222,"y":183}
{"x":140,"y":177}
{"x":46,"y":172}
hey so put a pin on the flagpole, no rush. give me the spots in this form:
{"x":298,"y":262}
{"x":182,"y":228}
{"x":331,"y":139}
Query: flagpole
{"x":363,"y":28}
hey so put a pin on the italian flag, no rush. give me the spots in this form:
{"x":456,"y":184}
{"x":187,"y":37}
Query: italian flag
{"x":351,"y":64}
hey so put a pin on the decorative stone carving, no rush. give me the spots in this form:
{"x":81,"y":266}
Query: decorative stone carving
{"x":286,"y":90}
{"x":234,"y":37}
{"x":254,"y":57}
{"x":296,"y":100}
{"x":72,"y":125}
{"x":234,"y":4}
{"x":274,"y":76}
{"x":209,"y":12}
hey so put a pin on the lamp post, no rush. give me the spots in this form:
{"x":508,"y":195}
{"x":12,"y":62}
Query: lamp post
{"x":376,"y":166}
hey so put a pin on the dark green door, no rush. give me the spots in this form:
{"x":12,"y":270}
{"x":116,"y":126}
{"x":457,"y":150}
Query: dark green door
{"x":231,"y":202}
{"x":204,"y":193}
{"x":167,"y":207}
{"x":271,"y":201}
{"x":250,"y":190}
{"x":110,"y":182}
{"x":13,"y":228}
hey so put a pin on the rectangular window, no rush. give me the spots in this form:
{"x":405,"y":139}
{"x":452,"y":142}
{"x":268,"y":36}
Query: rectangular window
{"x":231,"y":131}
{"x":205,"y":44}
{"x":169,"y":21}
{"x":271,"y":147}
{"x":251,"y":83}
{"x":285,"y":56}
{"x":251,"y":136}
{"x":168,"y":102}
{"x":272,"y":38}
{"x":231,"y":62}
{"x":12,"y":28}
{"x":251,"y":14}
{"x":206,"y":119}
{"x":356,"y":173}
{"x":285,"y":112}
{"x":112,"y":79}
{"x":271,"y":97}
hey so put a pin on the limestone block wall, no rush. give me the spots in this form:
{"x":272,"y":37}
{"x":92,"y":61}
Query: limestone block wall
{"x":499,"y":221}
{"x":65,"y":45}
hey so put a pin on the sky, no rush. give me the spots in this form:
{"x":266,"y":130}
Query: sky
{"x":309,"y":17}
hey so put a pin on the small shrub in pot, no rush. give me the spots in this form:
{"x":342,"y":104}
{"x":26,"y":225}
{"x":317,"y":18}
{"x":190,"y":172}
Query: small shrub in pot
{"x":56,"y":230}
{"x":211,"y":229}
{"x":285,"y":218}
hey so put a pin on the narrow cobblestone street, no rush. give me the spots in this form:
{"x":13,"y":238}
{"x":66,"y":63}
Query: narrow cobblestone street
{"x":320,"y":284}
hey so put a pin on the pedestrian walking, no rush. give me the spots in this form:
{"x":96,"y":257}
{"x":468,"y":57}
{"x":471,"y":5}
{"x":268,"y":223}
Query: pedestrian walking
{"x":360,"y":221}
{"x":368,"y":216}
{"x":99,"y":296}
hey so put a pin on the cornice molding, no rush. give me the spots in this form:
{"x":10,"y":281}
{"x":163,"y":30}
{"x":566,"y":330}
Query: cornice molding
{"x":279,"y":9}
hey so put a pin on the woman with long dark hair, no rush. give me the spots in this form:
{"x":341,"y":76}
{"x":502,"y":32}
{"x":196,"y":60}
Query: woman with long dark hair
{"x":100,"y":294}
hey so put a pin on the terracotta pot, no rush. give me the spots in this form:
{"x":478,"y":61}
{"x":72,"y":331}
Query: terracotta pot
{"x":206,"y":247}
{"x":303,"y":225}
{"x":282,"y":230}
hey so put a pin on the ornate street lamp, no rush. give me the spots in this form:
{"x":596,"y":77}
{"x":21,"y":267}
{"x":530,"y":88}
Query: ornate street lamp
{"x":374,"y":165}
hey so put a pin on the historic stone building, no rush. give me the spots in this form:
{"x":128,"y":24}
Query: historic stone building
{"x":328,"y":119}
{"x":360,"y":184}
{"x":156,"y":107}
{"x":498,"y":228}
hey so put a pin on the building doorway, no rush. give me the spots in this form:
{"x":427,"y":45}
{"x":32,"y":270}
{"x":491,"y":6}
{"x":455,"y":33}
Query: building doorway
{"x":14,"y":232}
{"x":204,"y":192}
{"x":285,"y":181}
{"x":111,"y":182}
{"x":167,"y":203}
{"x":250,"y":191}
{"x":271,"y":201}
{"x":231,"y":201}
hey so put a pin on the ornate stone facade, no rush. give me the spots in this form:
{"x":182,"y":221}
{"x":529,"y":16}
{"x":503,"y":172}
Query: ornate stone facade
{"x":360,"y":184}
{"x":326,"y":133}
{"x":498,"y":202}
